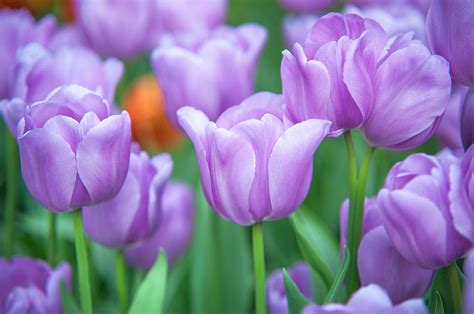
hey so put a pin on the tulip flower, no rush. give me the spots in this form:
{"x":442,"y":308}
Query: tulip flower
{"x":306,"y":5}
{"x":449,"y":130}
{"x":297,"y":27}
{"x":73,"y":152}
{"x":277,"y":301}
{"x":144,"y":101}
{"x":378,"y":260}
{"x":369,"y":299}
{"x":449,"y":26}
{"x":31,"y":286}
{"x":464,"y":220}
{"x":136,"y":207}
{"x":254,"y":167}
{"x":18,"y":28}
{"x":37,"y":76}
{"x":467,"y":120}
{"x":175,"y":231}
{"x":469,"y":285}
{"x":186,"y":70}
{"x":424,"y":204}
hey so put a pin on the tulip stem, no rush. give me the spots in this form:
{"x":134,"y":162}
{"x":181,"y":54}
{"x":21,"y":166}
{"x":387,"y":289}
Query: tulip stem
{"x":121,"y":277}
{"x":455,"y":288}
{"x":51,"y":238}
{"x":357,"y":220}
{"x":10,"y":200}
{"x":82,"y":263}
{"x":259,"y":267}
{"x":351,"y":243}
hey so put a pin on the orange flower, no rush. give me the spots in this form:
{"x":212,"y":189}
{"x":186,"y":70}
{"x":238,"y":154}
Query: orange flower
{"x":150,"y":125}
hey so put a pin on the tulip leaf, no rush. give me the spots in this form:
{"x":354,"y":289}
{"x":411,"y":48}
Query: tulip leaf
{"x":68,"y":304}
{"x":317,"y":244}
{"x":296,"y":300}
{"x":436,"y":306}
{"x":341,"y":274}
{"x":151,"y":293}
{"x":441,"y":286}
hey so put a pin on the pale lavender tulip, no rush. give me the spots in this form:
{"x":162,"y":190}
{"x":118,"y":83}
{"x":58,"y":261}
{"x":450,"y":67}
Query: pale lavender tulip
{"x":394,"y":18}
{"x":254,"y":165}
{"x":331,"y":77}
{"x":136,"y":209}
{"x":469,"y":284}
{"x":467,"y":120}
{"x":307,"y":5}
{"x":38,"y":72}
{"x":277,"y":301}
{"x":198,"y":75}
{"x":31,"y":286}
{"x":424,"y":206}
{"x":378,"y":260}
{"x":73,"y":152}
{"x":450,"y":29}
{"x":175,"y":232}
{"x":449,"y":130}
{"x":297,"y":27}
{"x":18,"y":28}
{"x":371,"y":299}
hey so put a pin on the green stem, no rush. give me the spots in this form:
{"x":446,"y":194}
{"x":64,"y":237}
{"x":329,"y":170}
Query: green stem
{"x":357,"y":220}
{"x":52,"y":238}
{"x":82,"y":263}
{"x":121,"y":277}
{"x":259,"y":266}
{"x":352,"y":215}
{"x":455,"y":288}
{"x":10,"y":200}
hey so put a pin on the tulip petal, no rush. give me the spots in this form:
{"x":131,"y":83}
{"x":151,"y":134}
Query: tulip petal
{"x":62,"y":273}
{"x":371,"y":297}
{"x":48,"y":166}
{"x":467,"y":120}
{"x":113,"y":72}
{"x":291,"y":163}
{"x":103,"y":157}
{"x":67,"y":128}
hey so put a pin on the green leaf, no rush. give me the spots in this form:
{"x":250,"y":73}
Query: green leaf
{"x":341,"y":274}
{"x":317,"y":244}
{"x":151,"y":293}
{"x":296,"y":300}
{"x":436,"y":306}
{"x":68,"y":304}
{"x":441,"y":286}
{"x":221,"y":264}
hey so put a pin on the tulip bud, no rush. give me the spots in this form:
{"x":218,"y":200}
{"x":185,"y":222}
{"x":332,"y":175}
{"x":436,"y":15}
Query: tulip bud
{"x":73,"y":152}
{"x":31,"y":286}
{"x":136,"y":207}
{"x":150,"y":125}
{"x":254,"y":167}
{"x":277,"y":301}
{"x":369,"y":299}
{"x":424,"y":205}
{"x":175,"y":231}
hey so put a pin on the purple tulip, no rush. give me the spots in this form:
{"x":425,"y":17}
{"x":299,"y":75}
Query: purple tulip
{"x":469,"y":285}
{"x":186,"y":18}
{"x":450,"y":28}
{"x":39,"y":72}
{"x":464,"y":220}
{"x":394,"y":18}
{"x":330,"y":78}
{"x":449,"y":130}
{"x":198,"y":75}
{"x":254,"y":164}
{"x":175,"y":232}
{"x":380,"y":263}
{"x":68,"y":35}
{"x":424,"y":203}
{"x":307,"y":5}
{"x":31,"y":286}
{"x":368,"y":300}
{"x":136,"y":207}
{"x":73,"y":152}
{"x":297,"y":27}
{"x":17,"y":28}
{"x":277,"y":301}
{"x":467,"y":120}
